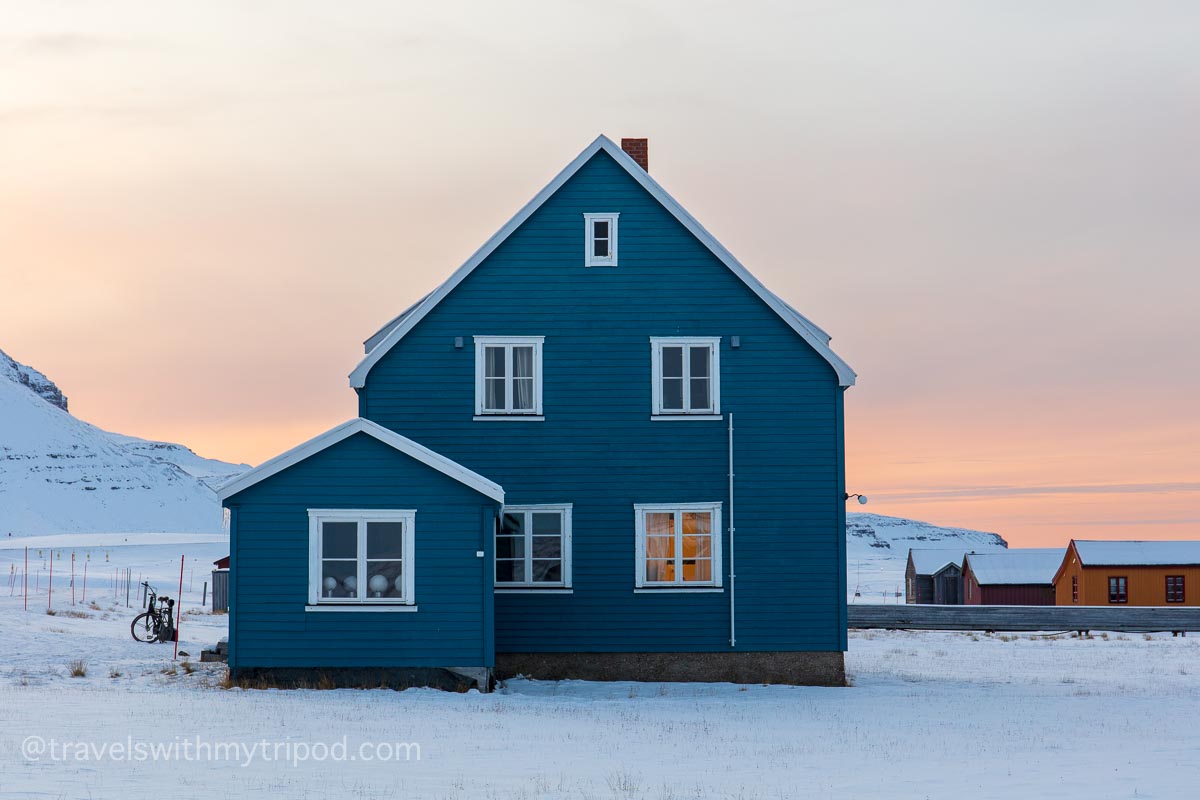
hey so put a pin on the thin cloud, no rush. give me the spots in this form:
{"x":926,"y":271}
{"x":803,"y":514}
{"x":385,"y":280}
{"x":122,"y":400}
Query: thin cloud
{"x":66,"y":43}
{"x":972,"y":492}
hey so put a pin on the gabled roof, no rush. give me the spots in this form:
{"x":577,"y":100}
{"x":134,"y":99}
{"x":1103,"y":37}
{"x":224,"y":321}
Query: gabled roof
{"x":1031,"y":565}
{"x":930,"y":562}
{"x":1093,"y":553}
{"x":344,"y":431}
{"x":394,"y":331}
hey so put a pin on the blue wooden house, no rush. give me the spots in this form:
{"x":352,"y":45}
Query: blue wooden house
{"x":601,"y":449}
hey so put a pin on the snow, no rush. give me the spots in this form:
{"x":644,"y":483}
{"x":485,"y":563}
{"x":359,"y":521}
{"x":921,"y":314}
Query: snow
{"x":1023,"y":566}
{"x":927,"y":562}
{"x":929,"y":714}
{"x":1102,"y":553}
{"x":877,"y":552}
{"x":59,"y":474}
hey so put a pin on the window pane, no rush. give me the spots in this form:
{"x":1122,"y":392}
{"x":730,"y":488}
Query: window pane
{"x":660,"y":570}
{"x":510,"y":547}
{"x":338,"y":578}
{"x":385,"y":540}
{"x":672,"y":393}
{"x":547,"y":547}
{"x":600,"y":248}
{"x":660,"y":547}
{"x":522,"y":362}
{"x":698,"y":570}
{"x":545,"y":524}
{"x":493,"y":396}
{"x":510,"y":571}
{"x":339,"y":540}
{"x":697,"y":546}
{"x":600,"y":229}
{"x":699,"y":399}
{"x":512,"y":524}
{"x":547,"y":571}
{"x":385,"y":579}
{"x":672,"y":362}
{"x":696,"y":522}
{"x":522,"y":394}
{"x":493,"y":362}
{"x":660,"y":523}
{"x":699,"y":361}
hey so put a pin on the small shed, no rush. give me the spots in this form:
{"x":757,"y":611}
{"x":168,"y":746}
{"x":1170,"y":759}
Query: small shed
{"x":1131,"y":573}
{"x":220,"y":585}
{"x":934,"y":576}
{"x":1016,"y":577}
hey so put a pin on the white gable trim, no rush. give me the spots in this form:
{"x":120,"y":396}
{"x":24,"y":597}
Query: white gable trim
{"x":344,"y":431}
{"x":800,"y":324}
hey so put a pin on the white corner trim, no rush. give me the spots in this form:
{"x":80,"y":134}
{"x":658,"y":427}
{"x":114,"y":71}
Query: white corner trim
{"x":817,"y":338}
{"x":344,"y":431}
{"x":361,"y":608}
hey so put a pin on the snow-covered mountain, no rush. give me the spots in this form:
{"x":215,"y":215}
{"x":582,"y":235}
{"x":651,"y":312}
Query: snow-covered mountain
{"x":59,"y":474}
{"x":877,"y":552}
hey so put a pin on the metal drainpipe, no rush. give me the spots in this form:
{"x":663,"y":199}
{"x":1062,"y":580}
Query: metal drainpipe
{"x":732,"y":572}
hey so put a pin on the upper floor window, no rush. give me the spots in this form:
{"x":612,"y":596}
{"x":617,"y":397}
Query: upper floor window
{"x":1074,"y":588}
{"x":600,"y":240}
{"x":360,"y":556}
{"x":1118,"y":590}
{"x":533,"y":547}
{"x":678,"y":545}
{"x":508,"y":375}
{"x":1174,"y":588}
{"x":687,"y":376}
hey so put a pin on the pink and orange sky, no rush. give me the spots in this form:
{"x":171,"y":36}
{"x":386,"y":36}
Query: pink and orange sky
{"x":993,"y":207}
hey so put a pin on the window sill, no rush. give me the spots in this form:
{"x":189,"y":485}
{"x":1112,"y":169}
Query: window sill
{"x":509,"y":418}
{"x":678,"y":417}
{"x":534,"y":590}
{"x":680,"y":590}
{"x":359,"y":608}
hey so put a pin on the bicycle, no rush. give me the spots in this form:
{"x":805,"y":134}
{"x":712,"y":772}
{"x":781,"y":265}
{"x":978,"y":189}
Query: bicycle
{"x":156,"y":623}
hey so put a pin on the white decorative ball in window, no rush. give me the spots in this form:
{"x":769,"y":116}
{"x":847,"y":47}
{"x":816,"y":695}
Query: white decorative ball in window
{"x":351,"y":584}
{"x":378,"y":585}
{"x":330,"y":584}
{"x":400,"y":584}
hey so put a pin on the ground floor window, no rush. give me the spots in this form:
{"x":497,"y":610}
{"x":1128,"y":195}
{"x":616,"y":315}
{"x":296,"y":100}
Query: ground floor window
{"x":1174,"y":588}
{"x":361,"y":556}
{"x":678,"y":545}
{"x":533,"y":547}
{"x":1118,"y":590}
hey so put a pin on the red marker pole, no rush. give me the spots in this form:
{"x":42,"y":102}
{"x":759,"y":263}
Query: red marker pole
{"x":178,"y":607}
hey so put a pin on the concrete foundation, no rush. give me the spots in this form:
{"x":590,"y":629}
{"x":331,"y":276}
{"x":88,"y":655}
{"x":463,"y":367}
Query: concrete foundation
{"x":357,"y":678}
{"x":802,"y":669}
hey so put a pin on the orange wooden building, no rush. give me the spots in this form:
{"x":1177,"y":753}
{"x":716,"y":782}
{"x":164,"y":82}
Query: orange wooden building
{"x":1101,"y":573}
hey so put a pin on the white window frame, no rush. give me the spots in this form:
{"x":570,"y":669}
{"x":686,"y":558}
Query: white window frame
{"x":318,"y":516}
{"x":657,"y":343}
{"x":590,"y":260}
{"x":640,"y":510}
{"x":564,"y":509}
{"x":508,"y":342}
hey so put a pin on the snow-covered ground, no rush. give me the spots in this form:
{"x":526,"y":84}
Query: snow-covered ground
{"x":929,"y":715}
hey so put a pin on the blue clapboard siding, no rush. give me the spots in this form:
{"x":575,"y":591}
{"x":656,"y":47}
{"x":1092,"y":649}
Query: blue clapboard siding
{"x":269,"y":626}
{"x":598,"y":448}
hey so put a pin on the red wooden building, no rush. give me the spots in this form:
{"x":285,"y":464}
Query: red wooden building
{"x":1019,"y":577}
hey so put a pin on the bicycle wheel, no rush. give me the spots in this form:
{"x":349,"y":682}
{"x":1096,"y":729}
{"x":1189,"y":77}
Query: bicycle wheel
{"x":144,"y":628}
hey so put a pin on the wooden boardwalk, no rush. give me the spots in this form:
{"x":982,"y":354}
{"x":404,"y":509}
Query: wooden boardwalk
{"x":1024,"y":618}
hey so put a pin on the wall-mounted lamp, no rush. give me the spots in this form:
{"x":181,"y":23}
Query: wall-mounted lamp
{"x":458,"y":342}
{"x":735,"y":342}
{"x":862,"y":498}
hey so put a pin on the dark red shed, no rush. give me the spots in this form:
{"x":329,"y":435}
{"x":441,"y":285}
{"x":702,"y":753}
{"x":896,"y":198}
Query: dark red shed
{"x":1021,"y":577}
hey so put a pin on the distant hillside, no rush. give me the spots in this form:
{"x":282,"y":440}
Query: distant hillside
{"x":59,"y":474}
{"x":877,"y":551}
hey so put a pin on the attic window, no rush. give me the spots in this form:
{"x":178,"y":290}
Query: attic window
{"x":600,"y":240}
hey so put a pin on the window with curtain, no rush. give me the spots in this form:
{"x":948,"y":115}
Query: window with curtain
{"x":678,"y":545}
{"x":508,"y":375}
{"x":686,"y":375}
{"x":533,"y":547}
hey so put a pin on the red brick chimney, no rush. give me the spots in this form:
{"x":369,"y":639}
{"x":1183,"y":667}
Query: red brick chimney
{"x":638,"y":150}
